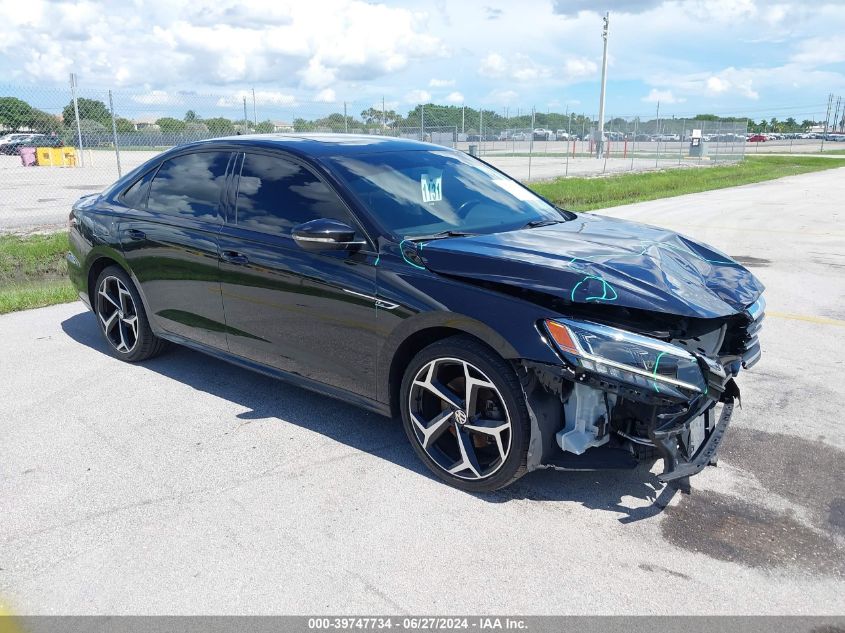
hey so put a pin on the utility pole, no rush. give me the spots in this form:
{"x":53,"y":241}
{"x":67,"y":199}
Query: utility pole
{"x":826,"y":119}
{"x":254,"y":111}
{"x":600,"y":142}
{"x":463,"y":118}
{"x":383,"y":117}
{"x":76,"y":113}
{"x":246,"y":124}
{"x":114,"y":135}
{"x":345,"y":119}
{"x":836,"y":114}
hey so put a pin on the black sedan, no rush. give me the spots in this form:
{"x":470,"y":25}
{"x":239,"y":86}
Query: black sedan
{"x":417,"y":281}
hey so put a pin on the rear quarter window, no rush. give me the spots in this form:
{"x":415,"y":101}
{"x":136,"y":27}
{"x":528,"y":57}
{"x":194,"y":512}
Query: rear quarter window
{"x":136,"y":196}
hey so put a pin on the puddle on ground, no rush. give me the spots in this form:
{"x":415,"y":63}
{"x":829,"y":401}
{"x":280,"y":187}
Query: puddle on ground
{"x":747,"y":260}
{"x":807,"y":473}
{"x":729,"y":529}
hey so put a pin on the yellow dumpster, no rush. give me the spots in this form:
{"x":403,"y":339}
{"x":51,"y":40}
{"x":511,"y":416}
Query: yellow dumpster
{"x":56,"y":156}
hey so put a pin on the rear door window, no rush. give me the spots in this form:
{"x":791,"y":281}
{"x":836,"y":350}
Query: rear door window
{"x":275,"y":194}
{"x":190,"y":185}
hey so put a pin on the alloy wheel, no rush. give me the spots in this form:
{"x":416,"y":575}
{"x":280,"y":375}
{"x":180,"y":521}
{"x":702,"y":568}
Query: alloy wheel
{"x":459,"y":418}
{"x":117,"y":314}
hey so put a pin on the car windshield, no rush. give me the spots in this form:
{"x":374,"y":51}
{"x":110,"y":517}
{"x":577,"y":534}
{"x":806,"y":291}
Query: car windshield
{"x":422,"y":193}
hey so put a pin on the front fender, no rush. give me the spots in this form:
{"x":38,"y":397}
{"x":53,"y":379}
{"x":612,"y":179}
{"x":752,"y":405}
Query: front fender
{"x":429,"y":301}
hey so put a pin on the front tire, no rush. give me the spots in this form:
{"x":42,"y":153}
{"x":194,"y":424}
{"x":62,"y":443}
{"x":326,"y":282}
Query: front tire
{"x":122,"y":318}
{"x":465,"y":415}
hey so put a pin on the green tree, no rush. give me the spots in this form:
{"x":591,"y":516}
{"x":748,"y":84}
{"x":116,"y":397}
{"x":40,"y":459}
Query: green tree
{"x":14,"y":112}
{"x":220,"y":126}
{"x":169,"y":125}
{"x":373,"y":117}
{"x":301,"y":125}
{"x":17,"y":114}
{"x":265,"y":127}
{"x":124,"y":125}
{"x":191,"y":117}
{"x":90,"y":109}
{"x":196,"y":129}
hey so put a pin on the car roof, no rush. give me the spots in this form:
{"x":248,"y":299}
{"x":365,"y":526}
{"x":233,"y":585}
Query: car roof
{"x":315,"y":145}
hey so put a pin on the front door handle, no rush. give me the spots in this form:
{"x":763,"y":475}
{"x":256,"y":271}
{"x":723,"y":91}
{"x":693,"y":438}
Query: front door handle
{"x":135,"y":234}
{"x":233,"y":257}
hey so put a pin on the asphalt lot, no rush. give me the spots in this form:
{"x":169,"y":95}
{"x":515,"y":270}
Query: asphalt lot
{"x":185,"y":485}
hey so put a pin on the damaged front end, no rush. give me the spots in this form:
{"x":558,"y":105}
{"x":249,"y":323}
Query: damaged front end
{"x":620,"y":397}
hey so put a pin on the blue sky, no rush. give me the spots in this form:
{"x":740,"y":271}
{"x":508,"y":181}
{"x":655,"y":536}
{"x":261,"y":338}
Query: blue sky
{"x":747,"y":57}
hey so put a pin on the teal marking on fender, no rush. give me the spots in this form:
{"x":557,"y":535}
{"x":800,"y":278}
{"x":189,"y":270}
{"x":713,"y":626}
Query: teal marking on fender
{"x":654,"y":371}
{"x":605,"y":288}
{"x":408,"y":261}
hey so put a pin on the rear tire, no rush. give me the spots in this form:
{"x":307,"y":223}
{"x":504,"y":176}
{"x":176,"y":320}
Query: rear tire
{"x":122,"y":319}
{"x":464,"y":412}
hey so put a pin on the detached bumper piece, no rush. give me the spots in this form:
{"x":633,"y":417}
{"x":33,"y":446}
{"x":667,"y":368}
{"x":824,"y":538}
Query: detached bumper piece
{"x":704,"y":456}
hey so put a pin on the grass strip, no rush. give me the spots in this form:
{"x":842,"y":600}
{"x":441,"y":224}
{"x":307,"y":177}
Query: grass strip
{"x":585,"y":194}
{"x":33,"y":272}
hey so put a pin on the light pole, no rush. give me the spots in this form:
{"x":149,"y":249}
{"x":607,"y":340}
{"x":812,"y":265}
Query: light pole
{"x":600,"y":141}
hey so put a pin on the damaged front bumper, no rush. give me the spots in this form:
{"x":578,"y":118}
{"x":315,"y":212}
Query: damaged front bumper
{"x":583,"y":422}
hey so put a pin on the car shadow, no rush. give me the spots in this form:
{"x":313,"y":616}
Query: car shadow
{"x":268,"y":398}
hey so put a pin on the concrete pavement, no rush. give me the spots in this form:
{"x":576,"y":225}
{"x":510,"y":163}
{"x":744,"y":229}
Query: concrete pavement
{"x":184,"y":485}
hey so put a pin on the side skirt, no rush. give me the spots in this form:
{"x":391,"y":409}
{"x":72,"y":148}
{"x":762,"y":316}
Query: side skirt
{"x":293,"y":379}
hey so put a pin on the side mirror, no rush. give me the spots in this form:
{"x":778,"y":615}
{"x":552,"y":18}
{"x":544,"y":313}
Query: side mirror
{"x":324,"y":234}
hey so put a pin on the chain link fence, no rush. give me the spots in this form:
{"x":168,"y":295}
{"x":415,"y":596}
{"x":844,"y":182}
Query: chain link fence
{"x":60,"y":144}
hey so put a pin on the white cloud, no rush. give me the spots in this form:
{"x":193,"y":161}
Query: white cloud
{"x":262,"y":97}
{"x":663,"y":96}
{"x":454,"y":97}
{"x":716,"y":85}
{"x":494,"y":65}
{"x":502,"y":97}
{"x":731,"y":80}
{"x":573,"y":7}
{"x":212,"y":42}
{"x":441,"y":83}
{"x":326,"y":95}
{"x":157,"y":97}
{"x":418,"y":96}
{"x":821,"y":51}
{"x":518,"y":67}
{"x":576,"y":68}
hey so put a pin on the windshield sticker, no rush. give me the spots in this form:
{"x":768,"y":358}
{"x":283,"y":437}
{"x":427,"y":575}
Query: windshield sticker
{"x":432,"y":187}
{"x":514,"y":189}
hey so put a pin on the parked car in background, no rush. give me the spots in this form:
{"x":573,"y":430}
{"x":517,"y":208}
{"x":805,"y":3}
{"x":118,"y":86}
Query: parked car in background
{"x":541,"y":134}
{"x":423,"y":284}
{"x":16,"y":136}
{"x":758,"y":138}
{"x":519,"y":136}
{"x":30,"y":140}
{"x":562,"y":135}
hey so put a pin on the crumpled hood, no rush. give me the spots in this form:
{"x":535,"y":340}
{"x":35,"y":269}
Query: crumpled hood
{"x":595,"y":259}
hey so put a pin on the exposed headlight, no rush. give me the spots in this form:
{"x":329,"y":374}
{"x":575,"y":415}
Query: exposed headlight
{"x":628,"y":357}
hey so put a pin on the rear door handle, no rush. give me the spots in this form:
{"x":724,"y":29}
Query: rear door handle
{"x":135,"y":234}
{"x":233,"y":257}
